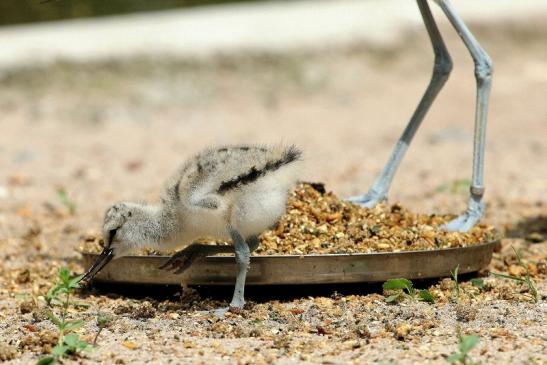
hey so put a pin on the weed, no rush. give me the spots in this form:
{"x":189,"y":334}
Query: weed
{"x":103,"y":321}
{"x":58,"y":296}
{"x":478,"y":283}
{"x":527,"y":280}
{"x":66,"y":201}
{"x":466,"y":344}
{"x":456,"y":290}
{"x":403,"y":287}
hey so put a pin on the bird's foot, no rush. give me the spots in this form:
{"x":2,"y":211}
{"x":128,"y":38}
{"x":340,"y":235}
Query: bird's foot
{"x":369,"y":199}
{"x":236,"y":305}
{"x":236,"y":310}
{"x":182,"y":260}
{"x":467,"y":220}
{"x":221,"y":312}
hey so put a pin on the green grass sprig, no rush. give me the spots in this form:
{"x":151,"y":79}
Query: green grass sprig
{"x":527,"y":280}
{"x":404,"y":288}
{"x":465,"y":345}
{"x":58,"y":299}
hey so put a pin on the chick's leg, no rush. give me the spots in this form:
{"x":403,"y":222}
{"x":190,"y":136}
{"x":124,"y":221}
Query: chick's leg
{"x":184,"y":258}
{"x":242,"y":256}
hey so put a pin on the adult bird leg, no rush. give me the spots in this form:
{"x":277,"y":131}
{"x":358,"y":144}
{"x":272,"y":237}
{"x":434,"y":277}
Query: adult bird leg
{"x":483,"y":76}
{"x":441,"y":70}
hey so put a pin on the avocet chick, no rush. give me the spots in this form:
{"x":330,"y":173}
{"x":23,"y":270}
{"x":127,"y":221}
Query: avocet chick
{"x":232,"y":193}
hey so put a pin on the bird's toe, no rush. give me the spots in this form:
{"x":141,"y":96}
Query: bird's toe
{"x":179,"y":262}
{"x":235,"y":309}
{"x":368,"y":200}
{"x":220,"y":312}
{"x":463,"y":223}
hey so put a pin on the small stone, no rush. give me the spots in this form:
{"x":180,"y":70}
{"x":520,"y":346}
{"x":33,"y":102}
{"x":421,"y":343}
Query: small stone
{"x":27,"y":306}
{"x":533,"y":269}
{"x":362,"y":331}
{"x":7,"y":352}
{"x":174,"y":315}
{"x":447,"y":284}
{"x":130,"y":345}
{"x":402,"y":331}
{"x":23,"y":277}
{"x":144,"y":311}
{"x":535,"y":237}
{"x":516,"y":270}
{"x":465,"y":312}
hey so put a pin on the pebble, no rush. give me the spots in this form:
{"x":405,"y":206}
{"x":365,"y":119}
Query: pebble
{"x":402,"y":331}
{"x":174,"y":316}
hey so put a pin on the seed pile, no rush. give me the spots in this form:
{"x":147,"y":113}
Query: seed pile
{"x":318,"y":222}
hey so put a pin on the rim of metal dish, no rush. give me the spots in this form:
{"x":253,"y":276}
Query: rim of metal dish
{"x":497,"y":240}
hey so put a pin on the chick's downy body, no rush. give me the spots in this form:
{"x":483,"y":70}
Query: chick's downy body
{"x":215,"y":194}
{"x":233,"y":192}
{"x":241,"y":188}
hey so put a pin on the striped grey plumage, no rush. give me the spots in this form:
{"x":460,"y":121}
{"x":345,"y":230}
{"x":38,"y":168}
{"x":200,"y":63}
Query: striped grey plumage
{"x":226,"y":168}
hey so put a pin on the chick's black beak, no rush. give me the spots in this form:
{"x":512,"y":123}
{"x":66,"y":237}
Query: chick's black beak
{"x":104,"y":258}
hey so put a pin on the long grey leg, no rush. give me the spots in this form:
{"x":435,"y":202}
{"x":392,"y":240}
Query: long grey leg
{"x":441,"y":71}
{"x":242,"y":255}
{"x":483,"y":76}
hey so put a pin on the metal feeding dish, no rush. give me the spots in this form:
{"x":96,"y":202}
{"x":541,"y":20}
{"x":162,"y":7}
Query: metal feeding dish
{"x":303,"y":269}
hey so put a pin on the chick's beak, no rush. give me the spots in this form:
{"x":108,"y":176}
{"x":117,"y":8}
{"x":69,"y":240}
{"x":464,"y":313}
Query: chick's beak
{"x":104,"y":258}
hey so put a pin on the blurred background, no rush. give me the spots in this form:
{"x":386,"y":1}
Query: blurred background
{"x":101,"y":100}
{"x":16,"y":12}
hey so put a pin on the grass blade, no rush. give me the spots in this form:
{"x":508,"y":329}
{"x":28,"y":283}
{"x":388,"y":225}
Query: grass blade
{"x":393,"y":284}
{"x":468,"y":342}
{"x":393,"y":297}
{"x":426,"y":296}
{"x":508,"y":277}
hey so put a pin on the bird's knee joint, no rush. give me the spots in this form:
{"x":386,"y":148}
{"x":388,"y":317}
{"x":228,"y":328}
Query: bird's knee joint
{"x":443,"y":66}
{"x":476,"y":191}
{"x":242,"y":258}
{"x":484,"y":69}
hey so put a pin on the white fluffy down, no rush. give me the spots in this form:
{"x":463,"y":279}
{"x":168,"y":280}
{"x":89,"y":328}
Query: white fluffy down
{"x":249,"y":210}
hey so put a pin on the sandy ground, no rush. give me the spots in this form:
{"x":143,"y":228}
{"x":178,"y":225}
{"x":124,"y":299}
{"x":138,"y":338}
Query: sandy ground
{"x":113,"y":131}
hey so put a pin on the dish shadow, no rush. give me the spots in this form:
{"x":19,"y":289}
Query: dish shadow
{"x":255,"y":293}
{"x":533,"y":229}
